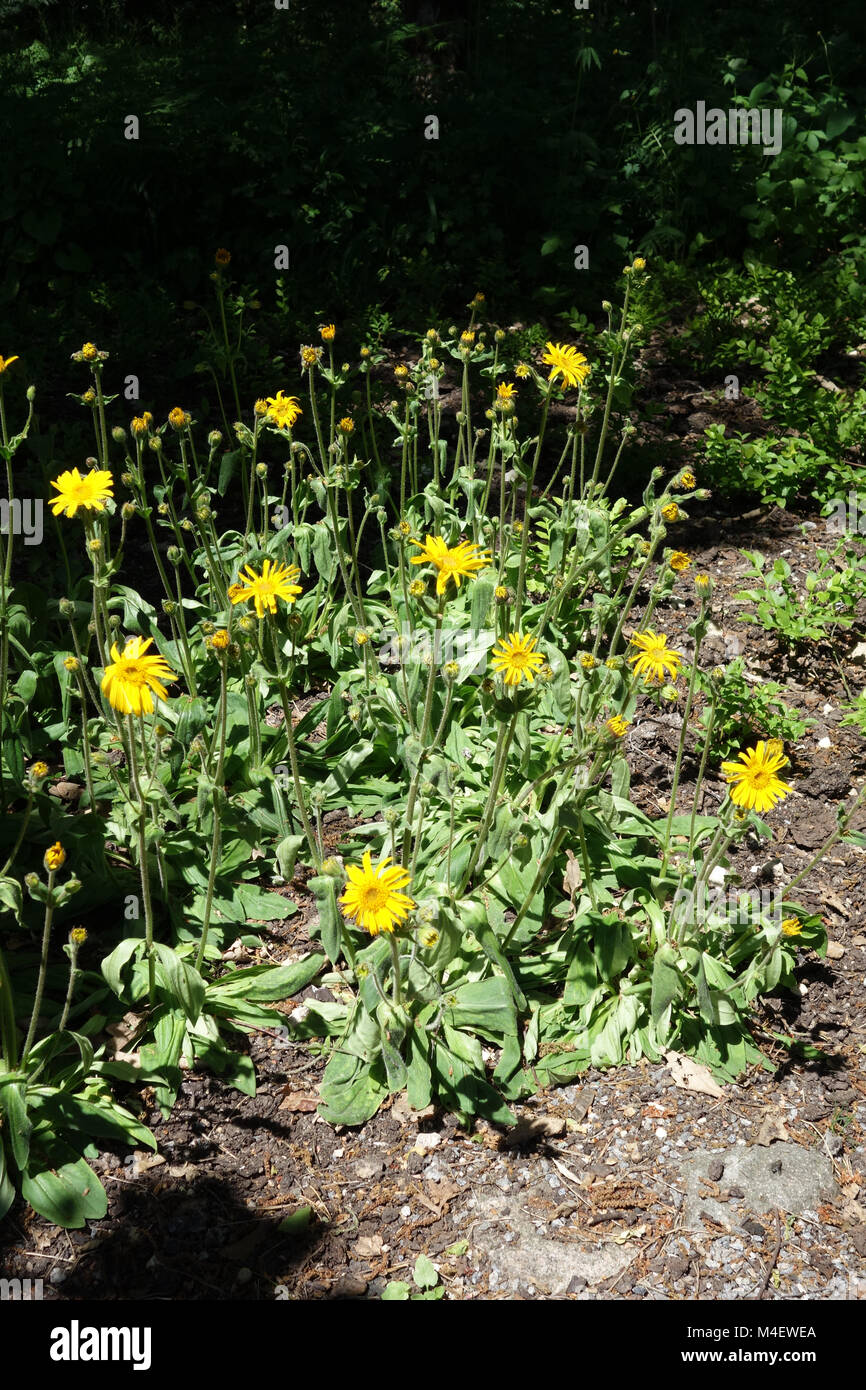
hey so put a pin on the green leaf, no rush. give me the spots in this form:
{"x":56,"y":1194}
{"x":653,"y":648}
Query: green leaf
{"x":260,"y":905}
{"x":19,"y":1126}
{"x":182,"y":980}
{"x":613,"y":947}
{"x":396,"y":1292}
{"x":262,"y":983}
{"x":425,"y":1274}
{"x":330,"y":925}
{"x":66,"y":1191}
{"x":351,"y":1093}
{"x":297,"y":1223}
{"x":86,"y":1118}
{"x":667,"y":983}
{"x":7,"y":1188}
{"x":11,"y":896}
{"x":113,"y":965}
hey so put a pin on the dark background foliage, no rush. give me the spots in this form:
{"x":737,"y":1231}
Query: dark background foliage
{"x":305,"y":127}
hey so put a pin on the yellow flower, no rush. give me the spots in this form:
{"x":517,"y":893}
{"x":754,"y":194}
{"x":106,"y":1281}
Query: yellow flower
{"x":500,"y":593}
{"x":362,"y":637}
{"x":222,"y":256}
{"x":459,"y":563}
{"x":89,"y":397}
{"x":792,"y":927}
{"x":283,"y":410}
{"x":671,"y":511}
{"x":452,"y":669}
{"x":467,"y":338}
{"x":6,"y":362}
{"x":755,"y":784}
{"x":401,"y":372}
{"x":71,"y":663}
{"x":516,"y":660}
{"x":587,"y":661}
{"x":638,"y":263}
{"x":89,"y":352}
{"x":372,"y":897}
{"x":617,"y":725}
{"x":687,"y":480}
{"x":417,"y":588}
{"x":479,"y":298}
{"x":566,"y":362}
{"x":405,"y":528}
{"x":703,"y":584}
{"x":655,"y":658}
{"x":78,"y":936}
{"x":365,"y":352}
{"x":679,"y":560}
{"x":275,"y":581}
{"x":521,"y":370}
{"x":138,"y":424}
{"x":347,"y":426}
{"x":129,"y":680}
{"x":38,"y":770}
{"x":55,"y":857}
{"x":177,"y":418}
{"x":328,"y":332}
{"x":429,"y":938}
{"x":90,"y":491}
{"x":220,"y":640}
{"x":310,"y":356}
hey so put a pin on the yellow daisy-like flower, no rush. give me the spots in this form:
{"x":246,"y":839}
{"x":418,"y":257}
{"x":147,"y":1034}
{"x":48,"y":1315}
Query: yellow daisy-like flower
{"x":792,"y":926}
{"x":467,"y":338}
{"x":671,"y":511}
{"x":373,"y":898}
{"x":516,"y":660}
{"x":687,"y":480}
{"x":679,"y":560}
{"x":275,"y":581}
{"x":89,"y":352}
{"x":461,"y":562}
{"x":655,"y":658}
{"x":566,"y":362}
{"x":755,"y":783}
{"x":401,"y":372}
{"x":638,"y":263}
{"x":703,"y":583}
{"x":617,"y":725}
{"x":362,"y":637}
{"x":71,"y":663}
{"x":39,"y":770}
{"x":328,"y":332}
{"x":6,"y":362}
{"x":346,"y":425}
{"x":138,"y":424}
{"x":283,"y":410}
{"x":310,"y":355}
{"x":90,"y":490}
{"x":500,"y":593}
{"x":588,"y":661}
{"x":55,"y":857}
{"x":222,"y":256}
{"x":129,"y":680}
{"x":177,"y":418}
{"x":522,"y":370}
{"x":78,"y":936}
{"x":220,"y":640}
{"x":506,"y":395}
{"x":417,"y":588}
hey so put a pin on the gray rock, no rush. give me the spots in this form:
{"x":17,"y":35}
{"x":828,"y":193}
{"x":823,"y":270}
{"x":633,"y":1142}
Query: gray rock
{"x":804,"y":1180}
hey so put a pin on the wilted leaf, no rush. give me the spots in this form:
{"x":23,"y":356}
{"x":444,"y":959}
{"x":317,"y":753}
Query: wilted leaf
{"x":772,"y":1127}
{"x":692,"y":1076}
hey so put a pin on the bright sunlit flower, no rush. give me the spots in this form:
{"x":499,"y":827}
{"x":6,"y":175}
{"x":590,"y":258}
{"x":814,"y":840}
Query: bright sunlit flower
{"x":679,"y":560}
{"x":372,"y":897}
{"x":792,"y":927}
{"x":461,"y":562}
{"x":6,"y":362}
{"x":328,"y":332}
{"x":283,"y":410}
{"x":55,"y":857}
{"x":310,"y":355}
{"x":755,"y":784}
{"x":275,"y":581}
{"x":177,"y":418}
{"x":220,"y":640}
{"x":132,"y":675}
{"x":347,"y":425}
{"x":90,"y":352}
{"x":90,"y":490}
{"x":687,"y":480}
{"x":516,"y":660}
{"x":566,"y":362}
{"x":522,"y":370}
{"x":655,"y":658}
{"x":671,"y":511}
{"x":617,"y":725}
{"x":506,"y":395}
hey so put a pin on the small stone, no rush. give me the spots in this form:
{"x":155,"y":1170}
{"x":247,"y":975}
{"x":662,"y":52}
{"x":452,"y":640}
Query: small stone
{"x":576,"y":1283}
{"x":754,"y":1228}
{"x":715,"y":1170}
{"x":58,"y":1275}
{"x":350,"y":1287}
{"x":834,"y":1144}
